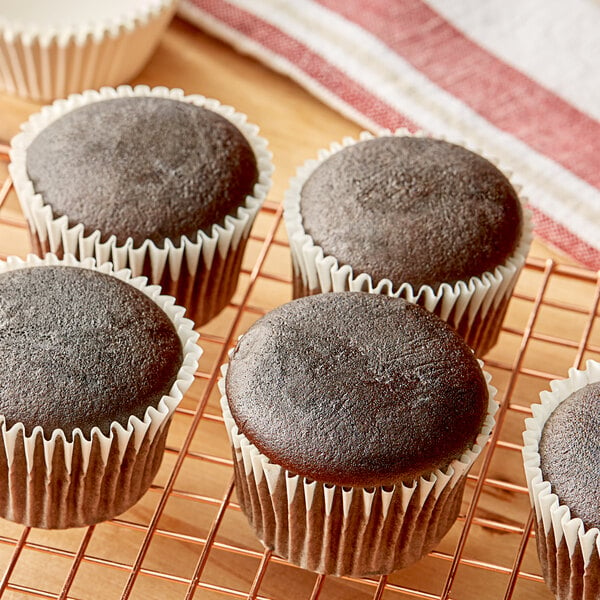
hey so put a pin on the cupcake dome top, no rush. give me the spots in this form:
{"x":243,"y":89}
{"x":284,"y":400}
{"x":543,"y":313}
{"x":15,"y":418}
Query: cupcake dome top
{"x":411,"y":209}
{"x":82,"y":349}
{"x":142,"y":167}
{"x":570,"y":453}
{"x":356,"y":389}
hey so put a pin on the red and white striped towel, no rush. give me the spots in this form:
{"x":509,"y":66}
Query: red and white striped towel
{"x":519,"y":80}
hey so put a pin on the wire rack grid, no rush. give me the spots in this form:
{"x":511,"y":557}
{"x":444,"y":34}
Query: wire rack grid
{"x":187,"y":538}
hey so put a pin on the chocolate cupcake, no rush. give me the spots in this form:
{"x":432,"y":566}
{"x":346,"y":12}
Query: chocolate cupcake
{"x":562,"y":461}
{"x":414,"y":217}
{"x":93,"y":365}
{"x":164,"y":184}
{"x":354,"y":419}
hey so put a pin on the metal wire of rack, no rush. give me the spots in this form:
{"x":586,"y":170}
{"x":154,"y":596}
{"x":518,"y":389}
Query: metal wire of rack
{"x":187,"y":538}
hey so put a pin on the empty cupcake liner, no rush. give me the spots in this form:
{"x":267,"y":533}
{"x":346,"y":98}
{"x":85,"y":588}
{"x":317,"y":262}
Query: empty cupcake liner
{"x":71,"y":480}
{"x":569,"y":552}
{"x":44,"y":63}
{"x":201,"y":272}
{"x":475,"y":308}
{"x":340,"y":530}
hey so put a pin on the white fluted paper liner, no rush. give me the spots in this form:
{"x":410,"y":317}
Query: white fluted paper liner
{"x":348,"y":530}
{"x":567,"y":550}
{"x":475,"y":308}
{"x":201,"y":272}
{"x":32,"y":462}
{"x":44,"y":62}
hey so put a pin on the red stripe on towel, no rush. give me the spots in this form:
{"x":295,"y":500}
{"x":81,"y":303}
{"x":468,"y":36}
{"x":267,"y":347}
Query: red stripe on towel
{"x":502,"y":95}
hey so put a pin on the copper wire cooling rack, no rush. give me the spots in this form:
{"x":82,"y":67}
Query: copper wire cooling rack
{"x":187,"y":538}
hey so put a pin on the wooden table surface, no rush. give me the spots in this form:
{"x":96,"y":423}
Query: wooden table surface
{"x":186,"y":537}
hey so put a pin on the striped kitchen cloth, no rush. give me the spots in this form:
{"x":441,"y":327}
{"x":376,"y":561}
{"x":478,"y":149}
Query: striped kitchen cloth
{"x":519,"y":80}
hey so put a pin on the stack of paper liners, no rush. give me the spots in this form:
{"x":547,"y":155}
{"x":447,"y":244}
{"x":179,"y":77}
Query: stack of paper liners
{"x":47,"y":62}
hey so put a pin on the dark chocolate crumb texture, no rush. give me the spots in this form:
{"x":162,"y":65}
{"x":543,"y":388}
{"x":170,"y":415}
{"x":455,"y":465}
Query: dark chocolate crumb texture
{"x":570,"y":453}
{"x":356,"y":389}
{"x":412,"y":209}
{"x":142,"y":167}
{"x":79,"y":348}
